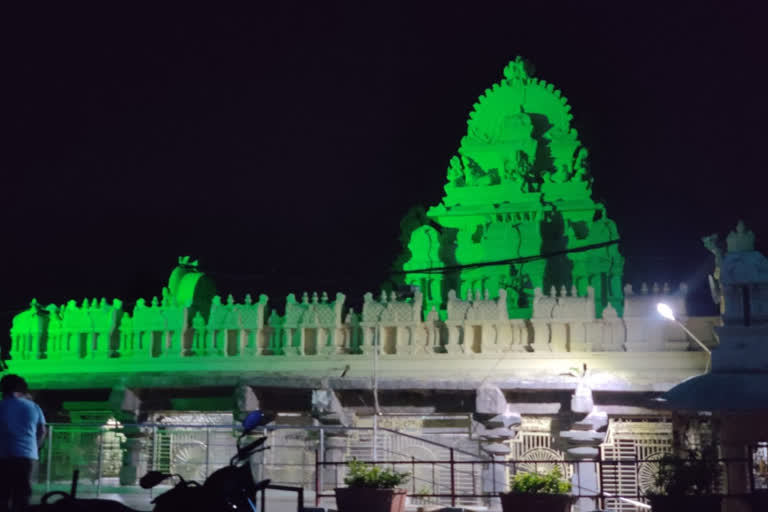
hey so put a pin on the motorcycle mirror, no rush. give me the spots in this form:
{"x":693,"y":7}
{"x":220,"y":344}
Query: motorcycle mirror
{"x":151,"y":479}
{"x":256,"y":419}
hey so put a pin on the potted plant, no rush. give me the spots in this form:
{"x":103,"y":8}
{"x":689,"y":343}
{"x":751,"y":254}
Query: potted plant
{"x":687,"y":482}
{"x":547,"y":492}
{"x":371,"y":489}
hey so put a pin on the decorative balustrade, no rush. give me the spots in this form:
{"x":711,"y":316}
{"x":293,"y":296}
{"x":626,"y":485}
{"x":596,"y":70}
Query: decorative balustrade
{"x":398,"y":325}
{"x":28,"y":331}
{"x":235,"y":329}
{"x":157,"y":329}
{"x":317,"y":326}
{"x":482,"y":325}
{"x":66,"y":332}
{"x":314,"y":327}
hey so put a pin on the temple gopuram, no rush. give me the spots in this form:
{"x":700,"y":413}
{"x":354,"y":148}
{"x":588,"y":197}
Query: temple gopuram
{"x":517,"y":347}
{"x":518,"y":188}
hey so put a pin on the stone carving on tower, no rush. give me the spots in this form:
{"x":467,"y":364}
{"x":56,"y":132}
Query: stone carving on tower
{"x":518,"y":187}
{"x":711,"y":242}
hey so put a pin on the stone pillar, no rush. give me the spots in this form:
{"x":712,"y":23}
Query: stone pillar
{"x":583,"y":442}
{"x":126,"y":406}
{"x":244,"y":344}
{"x":175,"y":346}
{"x":289,"y":349}
{"x":453,"y":345}
{"x":494,"y":427}
{"x":585,"y":477}
{"x":335,"y":447}
{"x":541,"y":336}
{"x":328,"y":411}
{"x":134,"y":465}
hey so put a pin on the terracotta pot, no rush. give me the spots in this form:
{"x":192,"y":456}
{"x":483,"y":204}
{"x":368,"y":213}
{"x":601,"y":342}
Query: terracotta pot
{"x":680,"y":503}
{"x":517,"y":502}
{"x":360,"y":499}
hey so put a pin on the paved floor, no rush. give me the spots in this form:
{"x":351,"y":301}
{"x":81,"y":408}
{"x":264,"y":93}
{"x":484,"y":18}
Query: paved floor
{"x":276,"y":501}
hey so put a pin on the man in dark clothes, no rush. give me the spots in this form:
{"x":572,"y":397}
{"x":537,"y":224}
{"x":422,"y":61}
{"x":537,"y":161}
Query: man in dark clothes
{"x":22,"y":429}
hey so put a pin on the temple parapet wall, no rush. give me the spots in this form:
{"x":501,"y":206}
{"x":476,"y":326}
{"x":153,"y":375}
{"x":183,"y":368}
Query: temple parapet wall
{"x":482,"y":325}
{"x":312,"y":327}
{"x":397,"y":326}
{"x":647,"y":331}
{"x":317,"y":326}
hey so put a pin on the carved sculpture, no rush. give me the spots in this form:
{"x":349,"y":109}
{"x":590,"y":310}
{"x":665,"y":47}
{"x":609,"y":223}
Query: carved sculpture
{"x":741,"y":240}
{"x":711,"y":243}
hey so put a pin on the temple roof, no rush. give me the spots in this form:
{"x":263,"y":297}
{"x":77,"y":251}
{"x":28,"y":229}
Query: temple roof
{"x":519,"y":147}
{"x":728,"y":392}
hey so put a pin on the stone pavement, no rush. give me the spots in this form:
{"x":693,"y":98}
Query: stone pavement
{"x":277,"y":501}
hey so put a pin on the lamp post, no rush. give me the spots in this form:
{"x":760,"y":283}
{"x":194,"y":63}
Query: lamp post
{"x":666,"y":311}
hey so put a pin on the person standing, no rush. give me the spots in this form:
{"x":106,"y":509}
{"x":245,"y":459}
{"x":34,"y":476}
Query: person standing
{"x":22,"y":430}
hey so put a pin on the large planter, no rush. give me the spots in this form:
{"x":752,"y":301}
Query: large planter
{"x":361,"y":499}
{"x":516,"y":502}
{"x":680,"y":503}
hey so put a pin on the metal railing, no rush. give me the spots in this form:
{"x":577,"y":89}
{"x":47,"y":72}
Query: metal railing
{"x":445,"y":469}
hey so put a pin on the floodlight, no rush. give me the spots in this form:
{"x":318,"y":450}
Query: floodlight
{"x":665,"y":311}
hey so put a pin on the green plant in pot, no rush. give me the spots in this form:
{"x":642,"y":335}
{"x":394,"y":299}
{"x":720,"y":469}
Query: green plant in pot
{"x":372,"y":488}
{"x":543,"y":492}
{"x":688,"y":481}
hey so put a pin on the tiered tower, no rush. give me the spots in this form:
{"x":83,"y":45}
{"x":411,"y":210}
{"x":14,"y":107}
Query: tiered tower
{"x":518,"y":187}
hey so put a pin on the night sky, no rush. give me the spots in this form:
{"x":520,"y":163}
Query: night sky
{"x":282,"y":146}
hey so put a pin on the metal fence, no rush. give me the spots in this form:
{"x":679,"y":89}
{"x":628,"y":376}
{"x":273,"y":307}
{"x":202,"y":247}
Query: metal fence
{"x":101,"y":453}
{"x":446,"y":469}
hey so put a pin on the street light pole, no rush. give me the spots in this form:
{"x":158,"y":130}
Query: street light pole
{"x":665,"y":311}
{"x":377,"y":410}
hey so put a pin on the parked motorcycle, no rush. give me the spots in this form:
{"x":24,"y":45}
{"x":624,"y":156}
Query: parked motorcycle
{"x":230,"y":488}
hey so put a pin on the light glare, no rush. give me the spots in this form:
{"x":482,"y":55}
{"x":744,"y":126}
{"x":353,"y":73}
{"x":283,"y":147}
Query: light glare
{"x":665,"y":311}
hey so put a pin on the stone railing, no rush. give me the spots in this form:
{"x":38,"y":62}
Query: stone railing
{"x":313,"y":327}
{"x":482,"y":325}
{"x":317,"y":326}
{"x":399,"y":326}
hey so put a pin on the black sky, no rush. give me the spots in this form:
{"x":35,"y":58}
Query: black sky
{"x":282,"y":145}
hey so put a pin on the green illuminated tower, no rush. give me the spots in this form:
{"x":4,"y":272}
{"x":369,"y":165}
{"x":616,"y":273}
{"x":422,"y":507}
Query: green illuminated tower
{"x":519,"y":186}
